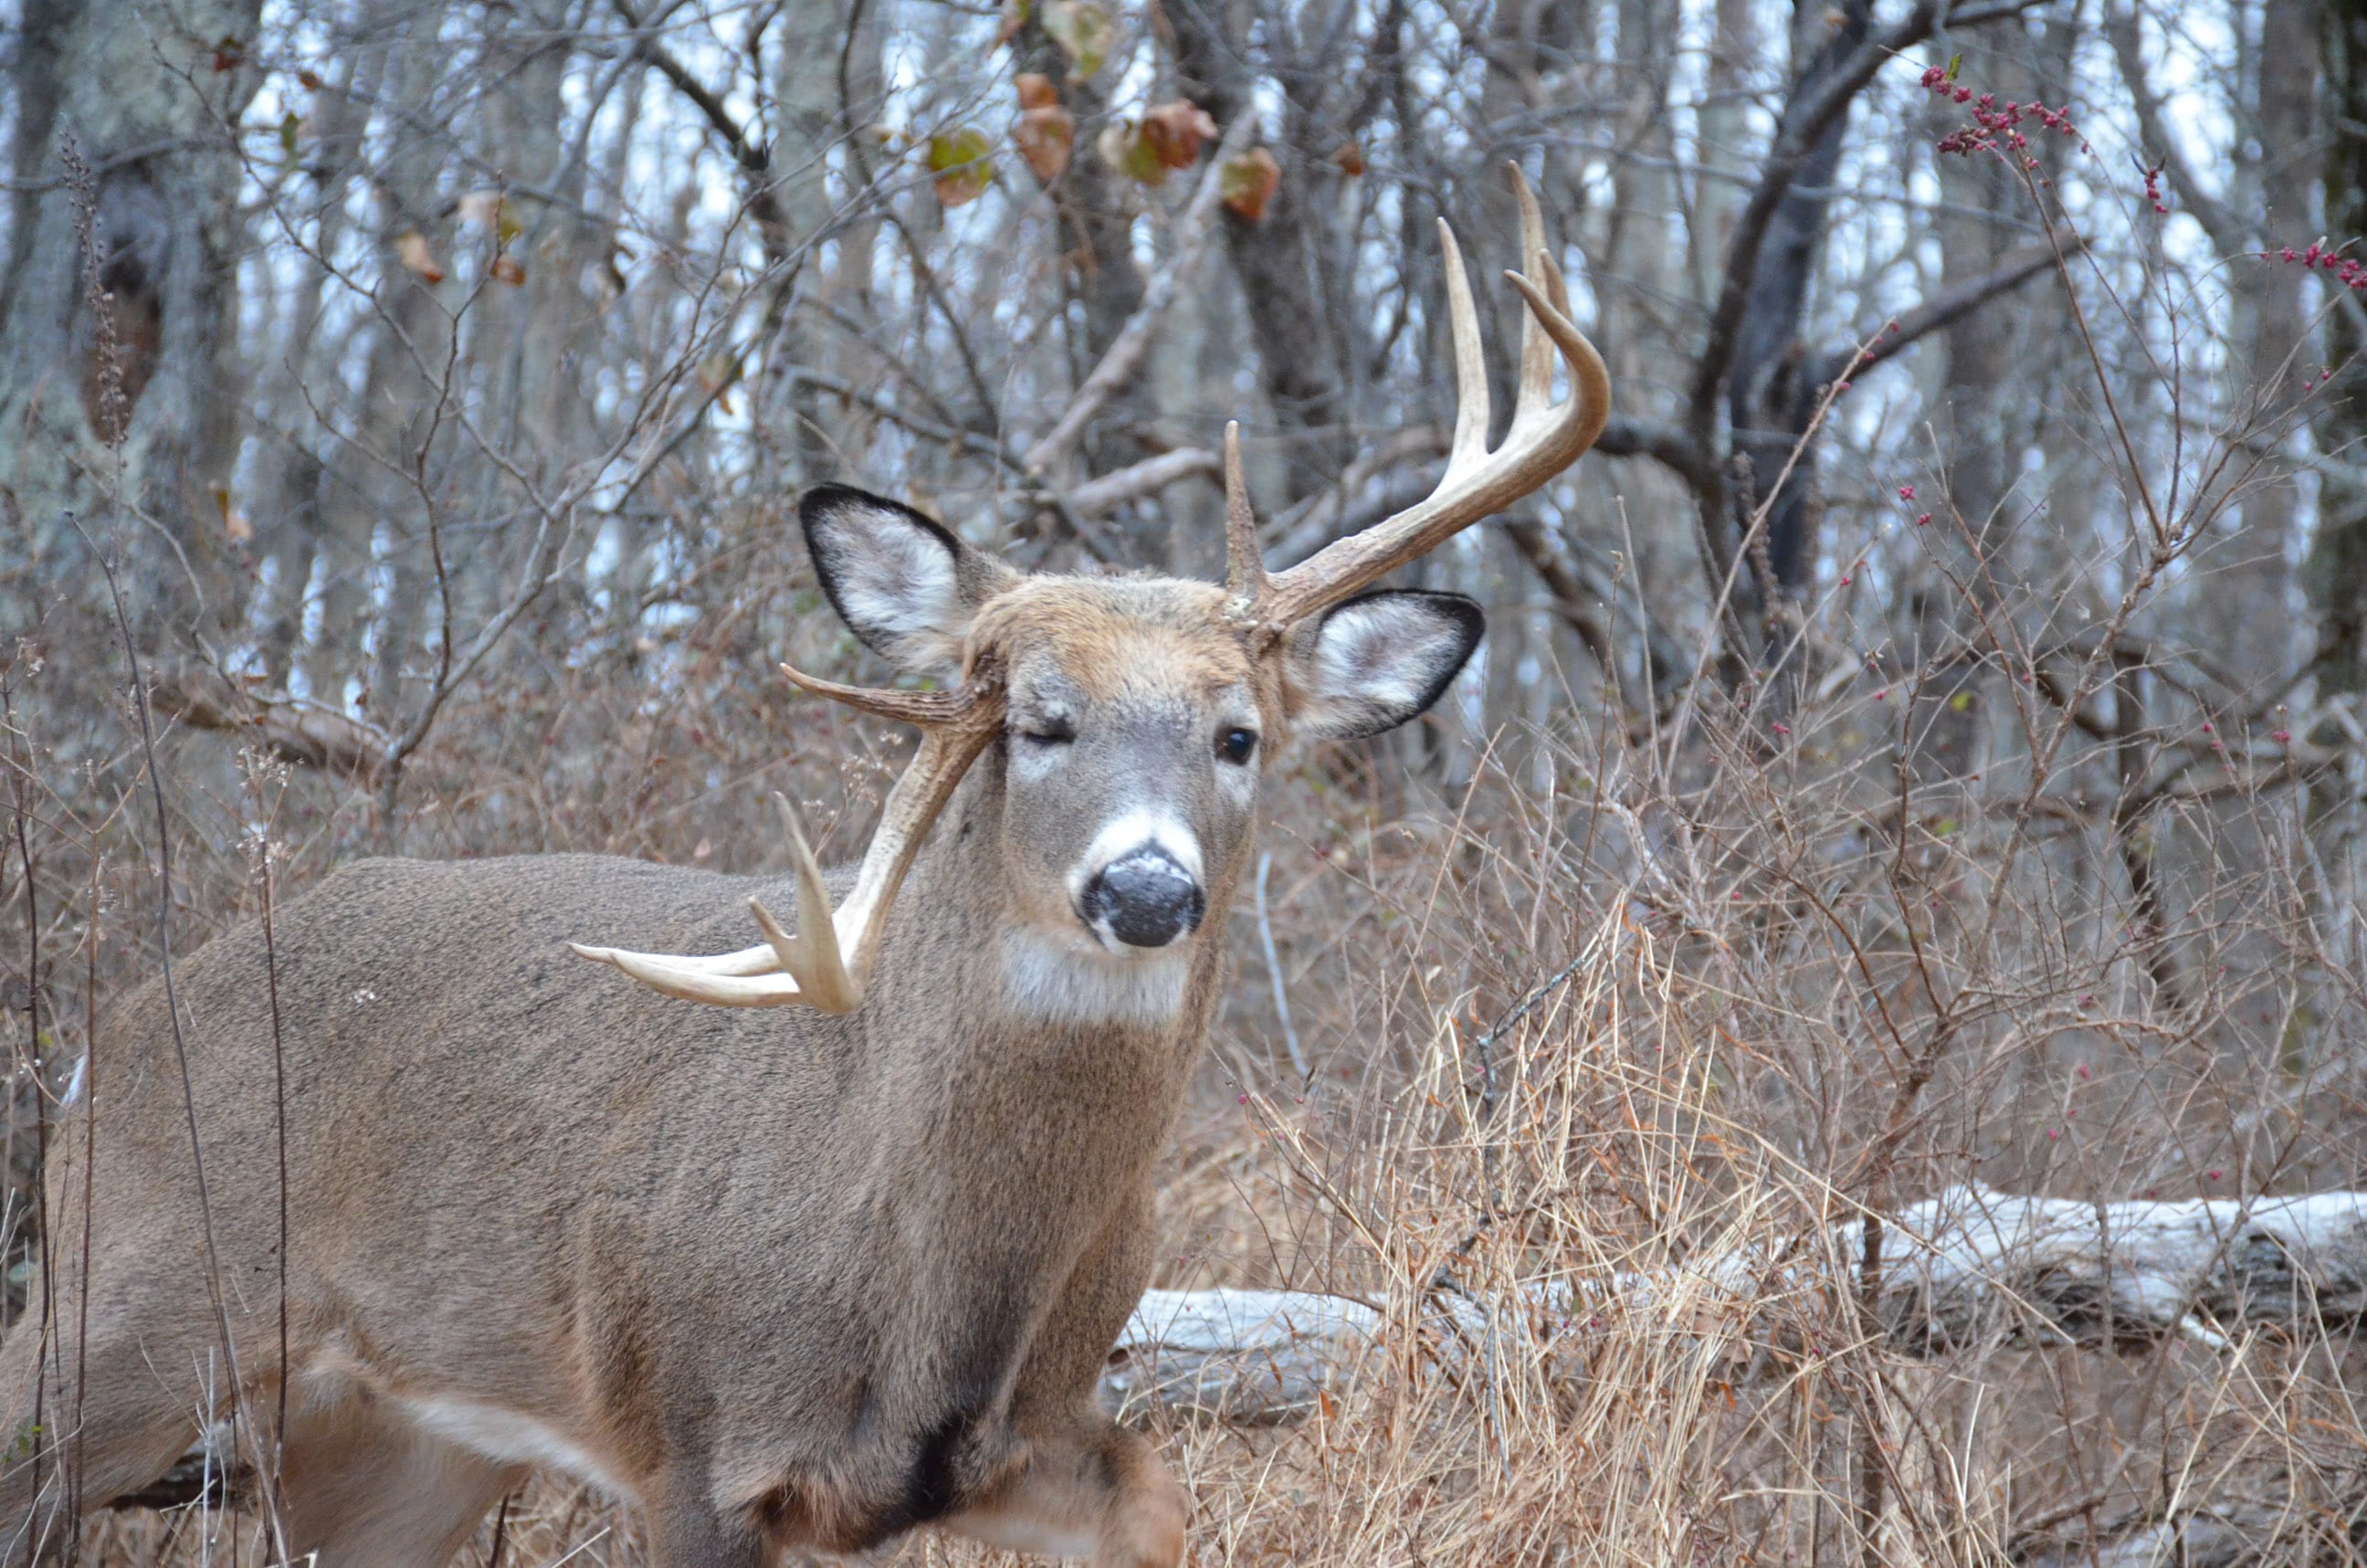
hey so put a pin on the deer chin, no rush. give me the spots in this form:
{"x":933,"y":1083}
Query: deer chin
{"x":1075,"y":979}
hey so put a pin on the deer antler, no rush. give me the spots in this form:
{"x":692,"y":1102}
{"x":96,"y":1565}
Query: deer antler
{"x":1544,"y":439}
{"x":827,"y":963}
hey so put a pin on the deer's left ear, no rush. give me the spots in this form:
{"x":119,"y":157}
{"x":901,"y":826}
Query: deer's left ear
{"x":1373,"y":663}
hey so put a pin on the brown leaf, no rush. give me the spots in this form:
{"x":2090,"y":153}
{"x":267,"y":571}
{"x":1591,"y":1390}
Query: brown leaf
{"x":1045,"y":136}
{"x":1175,"y":131}
{"x":717,"y":371}
{"x":308,"y":80}
{"x":962,"y":161}
{"x":1036,"y":90}
{"x":229,"y":53}
{"x":1248,"y":182}
{"x":1124,"y":148}
{"x":411,"y":248}
{"x":1351,"y":159}
{"x":508,"y":269}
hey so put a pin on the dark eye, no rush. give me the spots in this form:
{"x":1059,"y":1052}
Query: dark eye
{"x":1051,"y":733}
{"x":1235,"y":745}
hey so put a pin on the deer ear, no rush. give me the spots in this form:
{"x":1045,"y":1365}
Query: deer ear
{"x":902,"y":583}
{"x":1373,"y":663}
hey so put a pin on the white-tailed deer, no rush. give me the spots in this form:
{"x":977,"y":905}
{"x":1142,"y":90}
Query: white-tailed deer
{"x":808,"y":1276}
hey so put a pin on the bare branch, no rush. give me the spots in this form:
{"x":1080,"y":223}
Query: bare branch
{"x":1950,"y":306}
{"x":1132,"y":345}
{"x":2218,"y":219}
{"x":1147,"y":477}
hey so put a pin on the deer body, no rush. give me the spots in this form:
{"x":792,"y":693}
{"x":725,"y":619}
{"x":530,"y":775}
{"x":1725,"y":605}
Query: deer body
{"x":918,"y":1227}
{"x":803,"y":1245}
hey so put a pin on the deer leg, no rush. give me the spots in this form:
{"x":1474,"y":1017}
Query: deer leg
{"x":1098,"y":1491}
{"x":365,"y":1487}
{"x":685,"y":1530}
{"x":125,"y":1431}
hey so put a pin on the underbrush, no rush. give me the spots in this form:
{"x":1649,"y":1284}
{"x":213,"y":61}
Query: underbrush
{"x":1583,"y":1021}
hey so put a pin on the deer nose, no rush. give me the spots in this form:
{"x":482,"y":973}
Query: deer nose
{"x":1145,"y":899}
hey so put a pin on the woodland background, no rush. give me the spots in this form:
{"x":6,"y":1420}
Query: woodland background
{"x":1925,"y":743}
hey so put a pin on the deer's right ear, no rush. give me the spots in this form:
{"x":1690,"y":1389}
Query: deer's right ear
{"x":901,"y":582}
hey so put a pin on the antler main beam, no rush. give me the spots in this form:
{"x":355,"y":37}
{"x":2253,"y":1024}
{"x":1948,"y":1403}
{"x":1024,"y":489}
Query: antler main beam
{"x":1546,"y":437}
{"x":826,"y":963}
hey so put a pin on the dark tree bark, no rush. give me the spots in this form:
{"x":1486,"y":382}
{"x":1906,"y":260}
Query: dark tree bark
{"x":1097,"y":218}
{"x":1772,"y":390}
{"x":2336,"y":569}
{"x":147,"y":93}
{"x":1278,"y":258}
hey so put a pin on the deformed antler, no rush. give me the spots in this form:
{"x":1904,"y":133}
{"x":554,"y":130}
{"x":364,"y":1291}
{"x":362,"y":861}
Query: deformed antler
{"x":826,"y":963}
{"x":1544,"y":439}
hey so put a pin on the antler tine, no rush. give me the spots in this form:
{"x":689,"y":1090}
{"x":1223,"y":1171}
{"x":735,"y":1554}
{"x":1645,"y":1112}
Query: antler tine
{"x":926,"y":709}
{"x":826,"y":963}
{"x":1536,"y":398}
{"x":1471,"y":409}
{"x":1244,"y":562}
{"x":1546,"y":437}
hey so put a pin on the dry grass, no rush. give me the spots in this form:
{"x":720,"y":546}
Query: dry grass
{"x":1586,"y":1019}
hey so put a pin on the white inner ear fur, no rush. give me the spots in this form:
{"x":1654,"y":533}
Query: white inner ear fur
{"x":1371,"y":665}
{"x":1364,"y":654}
{"x":897,"y":583}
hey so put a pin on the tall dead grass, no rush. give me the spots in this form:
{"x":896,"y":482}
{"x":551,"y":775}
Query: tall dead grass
{"x":1638,"y":1021}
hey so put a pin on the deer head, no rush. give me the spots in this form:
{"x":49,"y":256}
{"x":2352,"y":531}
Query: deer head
{"x":1138,"y":714}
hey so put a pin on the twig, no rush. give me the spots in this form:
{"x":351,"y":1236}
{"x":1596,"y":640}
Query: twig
{"x":1274,"y":973}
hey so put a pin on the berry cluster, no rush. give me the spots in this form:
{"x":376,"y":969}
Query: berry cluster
{"x":2322,"y":258}
{"x":1994,"y":127}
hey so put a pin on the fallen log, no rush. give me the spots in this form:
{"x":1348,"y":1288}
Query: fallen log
{"x":1967,"y":1266}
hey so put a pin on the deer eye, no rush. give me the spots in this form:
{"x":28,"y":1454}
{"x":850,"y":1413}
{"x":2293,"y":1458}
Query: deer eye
{"x":1236,"y":744}
{"x":1046,"y":732}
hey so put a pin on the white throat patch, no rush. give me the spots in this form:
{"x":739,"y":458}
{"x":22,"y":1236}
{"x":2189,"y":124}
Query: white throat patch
{"x":1044,"y":979}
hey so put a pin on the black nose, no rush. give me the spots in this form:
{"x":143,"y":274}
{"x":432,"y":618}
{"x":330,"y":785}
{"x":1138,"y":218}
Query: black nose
{"x":1147,"y":899}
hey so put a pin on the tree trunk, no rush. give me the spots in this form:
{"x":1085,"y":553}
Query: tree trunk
{"x":2256,"y":642}
{"x":2336,"y":572}
{"x":1771,"y":389}
{"x":1278,"y":258}
{"x":145,"y":92}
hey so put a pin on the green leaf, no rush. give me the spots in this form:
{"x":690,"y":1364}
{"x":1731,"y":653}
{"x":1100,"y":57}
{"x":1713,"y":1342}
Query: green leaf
{"x":288,"y":125}
{"x":1084,"y":30}
{"x":1955,"y":64}
{"x":963,"y":161}
{"x":1961,"y":701}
